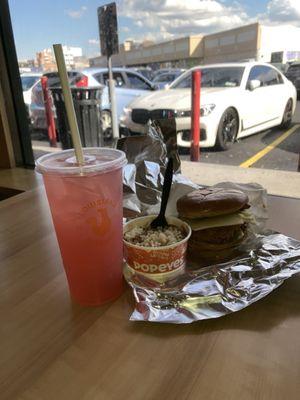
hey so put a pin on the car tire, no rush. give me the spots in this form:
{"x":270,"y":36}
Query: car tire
{"x":287,"y":115}
{"x":227,"y":129}
{"x":106,"y":125}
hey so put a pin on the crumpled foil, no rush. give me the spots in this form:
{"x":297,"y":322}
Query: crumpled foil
{"x":264,"y":261}
{"x":217,"y":290}
{"x":144,"y":172}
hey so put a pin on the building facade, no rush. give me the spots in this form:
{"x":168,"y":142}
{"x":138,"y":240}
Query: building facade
{"x":250,"y":42}
{"x":180,"y":51}
{"x":46,"y":61}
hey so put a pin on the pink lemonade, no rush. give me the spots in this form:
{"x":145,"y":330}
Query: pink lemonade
{"x":87,"y":214}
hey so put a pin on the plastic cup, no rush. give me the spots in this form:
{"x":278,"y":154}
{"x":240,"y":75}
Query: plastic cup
{"x":86,"y":208}
{"x":157,"y":263}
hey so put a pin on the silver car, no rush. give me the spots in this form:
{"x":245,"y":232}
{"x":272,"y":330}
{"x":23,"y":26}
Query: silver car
{"x":129,"y":85}
{"x":29,"y":80}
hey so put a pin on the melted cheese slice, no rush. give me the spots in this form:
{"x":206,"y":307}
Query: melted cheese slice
{"x":223,"y":220}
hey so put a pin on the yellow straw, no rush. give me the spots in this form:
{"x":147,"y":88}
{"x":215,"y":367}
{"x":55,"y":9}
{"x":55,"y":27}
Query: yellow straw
{"x":60,"y":61}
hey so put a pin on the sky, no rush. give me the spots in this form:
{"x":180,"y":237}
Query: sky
{"x":37,"y":24}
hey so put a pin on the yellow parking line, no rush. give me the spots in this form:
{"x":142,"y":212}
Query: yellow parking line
{"x":267,"y":149}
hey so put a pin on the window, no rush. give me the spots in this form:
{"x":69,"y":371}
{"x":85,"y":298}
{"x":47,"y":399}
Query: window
{"x":118,"y":78}
{"x":215,"y":77}
{"x":156,"y":51}
{"x":246,"y":36}
{"x":210,"y":43}
{"x":277,"y":57}
{"x":266,"y":75}
{"x":226,"y":40}
{"x":54,"y":80}
{"x":185,"y":82}
{"x":165,"y":78}
{"x":99,"y":78}
{"x":28,"y":82}
{"x":271,"y":77}
{"x":293,"y":71}
{"x":182,"y":46}
{"x":137,"y":83}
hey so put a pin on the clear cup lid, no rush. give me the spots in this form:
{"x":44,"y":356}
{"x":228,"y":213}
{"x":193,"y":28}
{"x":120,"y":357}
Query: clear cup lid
{"x":97,"y":160}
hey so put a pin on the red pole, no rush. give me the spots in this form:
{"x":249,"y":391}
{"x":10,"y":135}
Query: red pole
{"x":195,"y":116}
{"x":49,"y":112}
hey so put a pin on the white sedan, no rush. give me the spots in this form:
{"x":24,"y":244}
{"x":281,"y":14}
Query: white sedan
{"x":237,"y":100}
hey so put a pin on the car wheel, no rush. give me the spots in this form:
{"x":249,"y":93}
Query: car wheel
{"x":227,"y":130}
{"x":287,"y":115}
{"x":106,"y":125}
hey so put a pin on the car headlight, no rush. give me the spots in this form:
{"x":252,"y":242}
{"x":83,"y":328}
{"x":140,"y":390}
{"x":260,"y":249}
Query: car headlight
{"x":206,"y":109}
{"x":127,"y":110}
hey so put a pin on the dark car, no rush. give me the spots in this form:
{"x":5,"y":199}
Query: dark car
{"x":293,"y":74}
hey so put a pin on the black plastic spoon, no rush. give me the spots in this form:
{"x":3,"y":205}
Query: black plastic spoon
{"x":160,"y":220}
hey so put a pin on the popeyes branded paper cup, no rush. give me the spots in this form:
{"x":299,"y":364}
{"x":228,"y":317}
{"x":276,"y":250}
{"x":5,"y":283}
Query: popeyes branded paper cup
{"x":86,"y":206}
{"x":157,"y":263}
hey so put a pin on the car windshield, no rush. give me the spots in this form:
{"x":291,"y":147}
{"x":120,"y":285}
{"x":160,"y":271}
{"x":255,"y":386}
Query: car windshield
{"x":28,"y":82}
{"x":214,"y":77}
{"x":164,"y":78}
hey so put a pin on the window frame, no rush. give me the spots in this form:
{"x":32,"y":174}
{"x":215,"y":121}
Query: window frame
{"x":138,"y":77}
{"x":280,"y":79}
{"x":115,"y":72}
{"x":11,"y":86}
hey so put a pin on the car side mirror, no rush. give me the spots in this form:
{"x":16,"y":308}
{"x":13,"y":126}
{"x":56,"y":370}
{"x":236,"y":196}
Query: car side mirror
{"x":254,"y":84}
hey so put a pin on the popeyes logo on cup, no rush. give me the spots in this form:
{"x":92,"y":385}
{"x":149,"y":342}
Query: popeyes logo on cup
{"x":156,"y":261}
{"x":97,"y":216}
{"x":161,"y":268}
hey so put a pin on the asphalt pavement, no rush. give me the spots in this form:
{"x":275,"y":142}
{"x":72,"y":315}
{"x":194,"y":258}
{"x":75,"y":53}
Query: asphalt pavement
{"x":261,"y":150}
{"x":273,"y":149}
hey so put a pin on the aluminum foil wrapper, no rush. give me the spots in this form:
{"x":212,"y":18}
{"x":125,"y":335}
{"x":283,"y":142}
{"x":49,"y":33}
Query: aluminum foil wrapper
{"x":217,"y":290}
{"x":264,"y":261}
{"x":147,"y":157}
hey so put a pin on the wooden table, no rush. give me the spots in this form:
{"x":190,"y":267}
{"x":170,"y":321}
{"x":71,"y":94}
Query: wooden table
{"x":53,"y":349}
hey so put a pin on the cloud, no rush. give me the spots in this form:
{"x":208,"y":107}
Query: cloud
{"x":283,"y":11}
{"x":94,"y":42}
{"x":161,"y":20}
{"x":125,"y":29}
{"x":166,"y":19}
{"x":76,"y":14}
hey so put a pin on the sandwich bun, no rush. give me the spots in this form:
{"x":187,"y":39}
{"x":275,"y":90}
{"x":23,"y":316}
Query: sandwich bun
{"x":211,"y":202}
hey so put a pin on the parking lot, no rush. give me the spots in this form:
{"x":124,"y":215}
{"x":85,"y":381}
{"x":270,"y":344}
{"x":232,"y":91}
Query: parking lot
{"x":271,"y":149}
{"x":275,"y":149}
